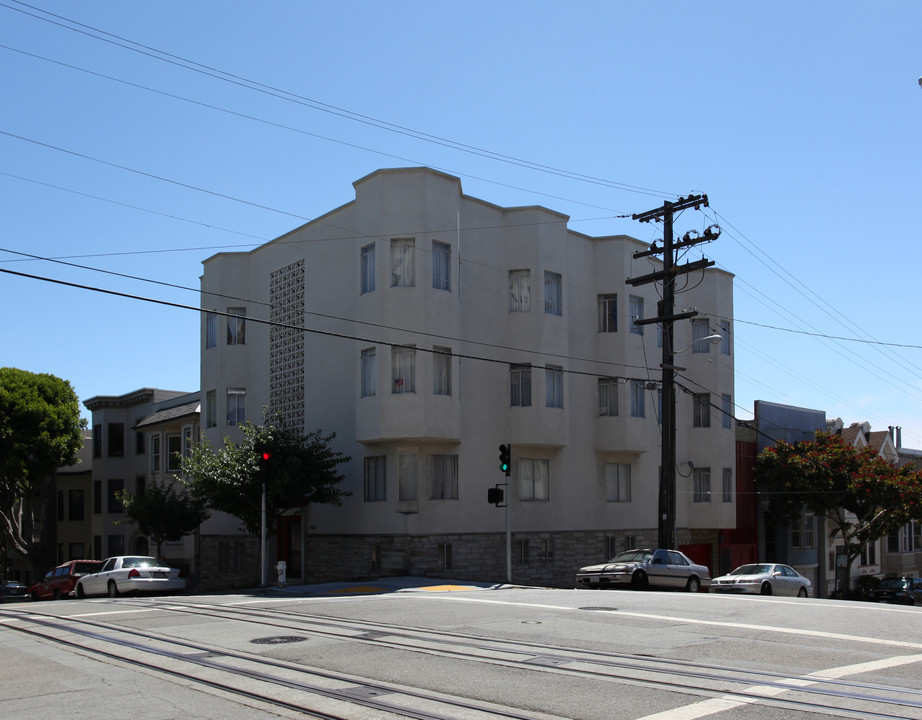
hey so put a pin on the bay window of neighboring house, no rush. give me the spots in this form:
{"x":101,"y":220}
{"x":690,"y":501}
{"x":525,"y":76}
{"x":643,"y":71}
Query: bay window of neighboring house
{"x":441,"y":266}
{"x":368,"y":268}
{"x":236,"y":326}
{"x":519,"y":290}
{"x":520,"y":378}
{"x":403,"y":262}
{"x":155,"y":454}
{"x":533,"y":480}
{"x":403,"y":366}
{"x":173,"y":453}
{"x":553,"y":293}
{"x":443,"y":477}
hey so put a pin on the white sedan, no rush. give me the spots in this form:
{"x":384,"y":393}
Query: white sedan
{"x":130,"y":573}
{"x":763,"y":579}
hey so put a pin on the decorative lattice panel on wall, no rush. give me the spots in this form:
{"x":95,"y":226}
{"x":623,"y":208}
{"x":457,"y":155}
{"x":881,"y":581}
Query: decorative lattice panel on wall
{"x":286,"y":344}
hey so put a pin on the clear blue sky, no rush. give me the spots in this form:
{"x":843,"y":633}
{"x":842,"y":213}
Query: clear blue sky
{"x":801,"y":121}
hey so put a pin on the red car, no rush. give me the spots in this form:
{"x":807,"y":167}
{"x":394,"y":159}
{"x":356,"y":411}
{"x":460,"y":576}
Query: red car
{"x":59,"y":582}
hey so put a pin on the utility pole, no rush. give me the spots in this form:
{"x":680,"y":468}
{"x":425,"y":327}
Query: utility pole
{"x":666,"y":315}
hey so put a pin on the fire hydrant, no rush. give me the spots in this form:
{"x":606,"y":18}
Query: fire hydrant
{"x":281,"y":569}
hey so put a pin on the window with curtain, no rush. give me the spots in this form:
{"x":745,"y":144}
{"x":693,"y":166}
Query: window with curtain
{"x":211,"y":408}
{"x":701,"y":405}
{"x":368,"y":268}
{"x":608,"y":313}
{"x":608,"y":397}
{"x":553,"y":385}
{"x":236,"y":406}
{"x":441,"y":266}
{"x":369,"y":372}
{"x":375,"y":482}
{"x":443,"y":477}
{"x":519,"y":291}
{"x":726,"y":411}
{"x":403,"y":262}
{"x":211,"y":330}
{"x":701,"y":485}
{"x":553,"y":293}
{"x":724,"y":337}
{"x":617,"y":482}
{"x":520,"y":377}
{"x":727,"y":485}
{"x":236,"y":326}
{"x":154,"y":454}
{"x":441,"y":371}
{"x":636,"y":310}
{"x":637,"y":399}
{"x":408,"y":477}
{"x":533,"y":480}
{"x":700,"y":330}
{"x":403,"y":365}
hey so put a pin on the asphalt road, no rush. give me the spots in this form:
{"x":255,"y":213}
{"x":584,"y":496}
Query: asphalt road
{"x":414,"y":649}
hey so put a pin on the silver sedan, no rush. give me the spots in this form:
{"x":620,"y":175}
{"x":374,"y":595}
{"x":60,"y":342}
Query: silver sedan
{"x":130,"y":573}
{"x":763,"y":579}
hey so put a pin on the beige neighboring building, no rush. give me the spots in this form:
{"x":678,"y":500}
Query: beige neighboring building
{"x":439,"y":326}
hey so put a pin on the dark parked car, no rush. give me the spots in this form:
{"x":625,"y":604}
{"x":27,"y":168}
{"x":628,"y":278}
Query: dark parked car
{"x":59,"y":582}
{"x":14,"y":592}
{"x":903,"y":591}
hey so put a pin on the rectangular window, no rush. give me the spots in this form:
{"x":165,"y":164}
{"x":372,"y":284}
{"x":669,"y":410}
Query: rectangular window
{"x":236,"y":406}
{"x":408,"y":477}
{"x":173,"y":453}
{"x":700,"y":330}
{"x":701,"y":405}
{"x":236,"y":326}
{"x":724,"y":337}
{"x":520,"y":377}
{"x":701,"y":481}
{"x":403,"y":366}
{"x":617,"y":482}
{"x":61,"y":506}
{"x":553,"y":293}
{"x":140,"y":485}
{"x":116,"y":437}
{"x":376,"y":558}
{"x":114,"y":505}
{"x":97,"y":497}
{"x":726,"y":412}
{"x":138,"y":442}
{"x":211,"y":408}
{"x":553,"y":386}
{"x":608,"y":313}
{"x":97,"y":441}
{"x":441,"y":266}
{"x":75,"y":504}
{"x":636,"y":310}
{"x":443,"y":477}
{"x":637,"y":399}
{"x":375,"y":481}
{"x":368,"y":268}
{"x":211,"y":330}
{"x":727,"y":485}
{"x":446,"y":555}
{"x":369,"y":372}
{"x":403,"y":262}
{"x":809,"y":531}
{"x":533,"y":480}
{"x":522,"y":552}
{"x":116,"y":545}
{"x":154,"y":454}
{"x":441,"y":371}
{"x":608,"y":397}
{"x":519,"y":291}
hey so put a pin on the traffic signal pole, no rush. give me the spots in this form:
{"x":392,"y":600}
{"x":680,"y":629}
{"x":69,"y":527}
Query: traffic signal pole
{"x":666,"y":522}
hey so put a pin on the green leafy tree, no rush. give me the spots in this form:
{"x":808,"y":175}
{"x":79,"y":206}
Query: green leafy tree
{"x":862,"y":495}
{"x":165,"y":512}
{"x":40,"y":431}
{"x":295,"y":470}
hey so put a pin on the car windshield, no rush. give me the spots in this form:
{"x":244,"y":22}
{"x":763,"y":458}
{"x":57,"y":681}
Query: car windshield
{"x":752,"y":570}
{"x":894,"y":584}
{"x":632,"y":556}
{"x":136,"y":562}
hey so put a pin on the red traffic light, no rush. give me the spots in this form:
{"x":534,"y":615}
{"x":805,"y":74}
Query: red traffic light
{"x":266,"y":455}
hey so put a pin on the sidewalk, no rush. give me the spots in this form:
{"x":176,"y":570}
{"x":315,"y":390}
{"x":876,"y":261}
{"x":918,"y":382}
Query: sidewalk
{"x":382,"y":585}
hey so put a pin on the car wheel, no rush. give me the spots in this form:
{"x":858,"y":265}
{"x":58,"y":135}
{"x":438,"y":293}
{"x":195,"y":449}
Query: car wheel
{"x":802,"y":592}
{"x":81,"y":593}
{"x":766,"y":588}
{"x":35,"y":597}
{"x":57,"y":594}
{"x":639,"y":580}
{"x":693,"y":585}
{"x":113,"y":589}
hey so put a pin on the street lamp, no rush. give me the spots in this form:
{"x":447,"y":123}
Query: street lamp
{"x":667,"y":491}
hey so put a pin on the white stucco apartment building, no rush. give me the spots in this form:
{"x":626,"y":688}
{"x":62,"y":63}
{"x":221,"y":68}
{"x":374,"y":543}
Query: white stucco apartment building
{"x":437,"y":326}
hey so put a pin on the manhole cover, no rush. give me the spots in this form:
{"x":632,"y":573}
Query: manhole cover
{"x":278,"y":640}
{"x":600,"y":609}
